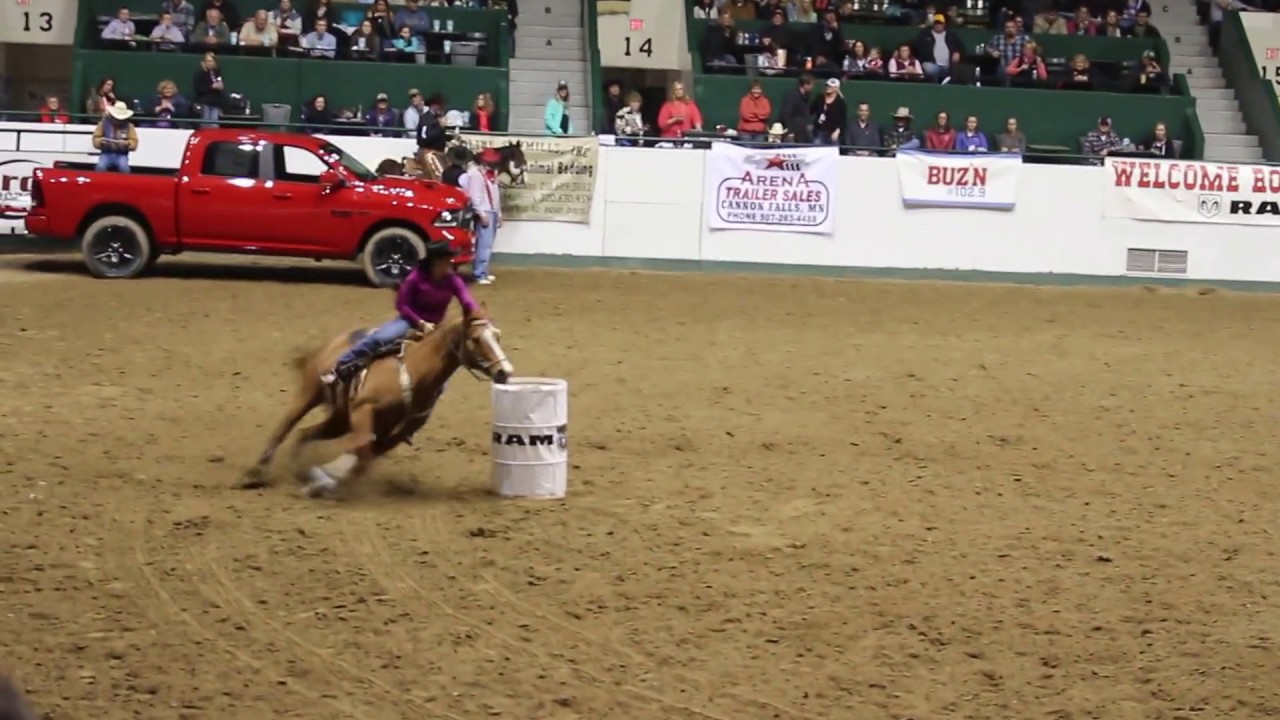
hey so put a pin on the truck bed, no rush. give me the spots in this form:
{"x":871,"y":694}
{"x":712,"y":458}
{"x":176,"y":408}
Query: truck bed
{"x":134,"y":169}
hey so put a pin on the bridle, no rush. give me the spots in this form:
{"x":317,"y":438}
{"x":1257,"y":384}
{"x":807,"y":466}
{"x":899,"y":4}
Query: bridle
{"x":468,"y":359}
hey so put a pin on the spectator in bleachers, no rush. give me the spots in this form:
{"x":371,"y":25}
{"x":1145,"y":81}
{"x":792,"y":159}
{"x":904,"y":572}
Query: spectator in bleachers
{"x":1006,"y":47}
{"x":679,"y":114}
{"x":1159,"y":144}
{"x":771,"y":60}
{"x":364,"y":43}
{"x":1102,"y":140}
{"x":827,"y":46}
{"x":1111,"y":25}
{"x":382,"y":119}
{"x":52,"y":112}
{"x":259,"y":32}
{"x":317,"y":116}
{"x":413,"y":17}
{"x":741,"y":9}
{"x":1079,"y":73}
{"x":555,"y":116}
{"x":628,"y":122}
{"x":863,"y":132}
{"x":777,"y":34}
{"x":1012,"y":139}
{"x":381,"y":18}
{"x":413,"y":114}
{"x":754,"y":110}
{"x":407,"y":42}
{"x":208,"y":86}
{"x":1028,"y":68}
{"x":484,"y":114}
{"x":114,"y":138}
{"x":287,"y":20}
{"x":319,"y":42}
{"x":100,"y":98}
{"x":706,"y":9}
{"x":720,"y":43}
{"x":120,"y":27}
{"x":1083,"y":23}
{"x":613,"y":103}
{"x":1151,"y":76}
{"x":857,"y":62}
{"x":900,"y":136}
{"x":941,"y":136}
{"x":1130,"y":12}
{"x":972,"y":139}
{"x":1049,"y":22}
{"x":801,"y":11}
{"x":212,"y":30}
{"x":830,"y":114}
{"x":1142,"y":27}
{"x":795,"y":110}
{"x":168,"y":105}
{"x":904,"y":65}
{"x":939,"y":48}
{"x":167,"y":31}
{"x":319,"y":10}
{"x":183,"y":12}
{"x":227,"y":10}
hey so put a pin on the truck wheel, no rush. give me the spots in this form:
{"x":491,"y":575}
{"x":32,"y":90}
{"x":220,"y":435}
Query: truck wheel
{"x":391,"y":254}
{"x":116,"y":247}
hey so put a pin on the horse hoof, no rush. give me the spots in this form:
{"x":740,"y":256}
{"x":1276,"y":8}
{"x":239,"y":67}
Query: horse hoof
{"x":321,"y":484}
{"x":253,"y":479}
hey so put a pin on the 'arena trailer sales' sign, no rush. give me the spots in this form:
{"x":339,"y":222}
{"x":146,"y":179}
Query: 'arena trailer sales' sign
{"x":1192,"y":192}
{"x":959,"y":180}
{"x":787,"y":189}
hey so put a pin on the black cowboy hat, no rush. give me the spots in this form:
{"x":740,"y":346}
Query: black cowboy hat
{"x":439,"y":249}
{"x":459,"y":154}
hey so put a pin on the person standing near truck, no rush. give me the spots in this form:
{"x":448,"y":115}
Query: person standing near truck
{"x":480,"y":182}
{"x":115,"y":137}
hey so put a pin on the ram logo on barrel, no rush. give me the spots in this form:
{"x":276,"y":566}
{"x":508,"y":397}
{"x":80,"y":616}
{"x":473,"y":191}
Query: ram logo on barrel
{"x":524,"y":439}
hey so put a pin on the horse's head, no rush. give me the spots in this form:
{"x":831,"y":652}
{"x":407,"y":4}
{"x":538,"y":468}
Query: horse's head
{"x":480,"y":350}
{"x":513,"y":162}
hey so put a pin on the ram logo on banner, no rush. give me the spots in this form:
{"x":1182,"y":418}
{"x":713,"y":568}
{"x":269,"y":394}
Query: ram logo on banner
{"x":951,"y":180}
{"x":787,"y":189}
{"x":1192,"y":192}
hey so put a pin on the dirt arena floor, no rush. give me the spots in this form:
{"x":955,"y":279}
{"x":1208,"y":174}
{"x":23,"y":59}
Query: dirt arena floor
{"x":790,"y":498}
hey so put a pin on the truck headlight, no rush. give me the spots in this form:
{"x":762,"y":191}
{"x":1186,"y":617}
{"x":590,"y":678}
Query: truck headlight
{"x":447,"y":219}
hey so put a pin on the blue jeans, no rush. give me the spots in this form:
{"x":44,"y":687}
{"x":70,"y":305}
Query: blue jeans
{"x":484,"y":245}
{"x":113,"y":161}
{"x":210,"y":115}
{"x":385,"y":334}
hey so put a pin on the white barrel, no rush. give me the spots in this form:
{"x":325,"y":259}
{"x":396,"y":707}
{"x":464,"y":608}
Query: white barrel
{"x":531,"y":438}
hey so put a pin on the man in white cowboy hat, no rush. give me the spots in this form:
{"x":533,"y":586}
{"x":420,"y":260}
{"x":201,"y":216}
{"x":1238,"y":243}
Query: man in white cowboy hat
{"x":115,"y":137}
{"x":777,"y":133}
{"x":900,"y":136}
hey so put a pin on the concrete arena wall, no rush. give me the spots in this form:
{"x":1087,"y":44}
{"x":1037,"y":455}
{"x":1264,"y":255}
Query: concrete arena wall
{"x":649,"y":205}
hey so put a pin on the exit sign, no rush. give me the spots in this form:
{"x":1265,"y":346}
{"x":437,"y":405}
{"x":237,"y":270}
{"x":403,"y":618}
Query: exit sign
{"x":636,"y":24}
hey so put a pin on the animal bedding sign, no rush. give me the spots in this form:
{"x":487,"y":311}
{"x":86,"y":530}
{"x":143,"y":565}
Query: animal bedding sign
{"x":954,"y":180}
{"x":556,"y":181}
{"x":789,"y":189}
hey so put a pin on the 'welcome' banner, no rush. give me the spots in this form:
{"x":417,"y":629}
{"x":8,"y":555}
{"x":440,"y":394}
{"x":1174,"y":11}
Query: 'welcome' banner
{"x":785,"y":190}
{"x":953,"y":180}
{"x":560,"y":177}
{"x":1192,"y":192}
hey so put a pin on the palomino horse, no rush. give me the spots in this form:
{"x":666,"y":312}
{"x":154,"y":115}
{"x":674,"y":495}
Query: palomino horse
{"x":387,"y":403}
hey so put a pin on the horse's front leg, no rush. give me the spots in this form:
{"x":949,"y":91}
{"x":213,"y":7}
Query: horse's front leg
{"x":357,"y":455}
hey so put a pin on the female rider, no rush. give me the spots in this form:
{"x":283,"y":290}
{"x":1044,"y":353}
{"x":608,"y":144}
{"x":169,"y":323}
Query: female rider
{"x":421,"y":302}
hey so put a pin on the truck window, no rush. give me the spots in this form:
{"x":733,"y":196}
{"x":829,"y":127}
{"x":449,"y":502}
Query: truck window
{"x":295,"y":164}
{"x":231,"y":159}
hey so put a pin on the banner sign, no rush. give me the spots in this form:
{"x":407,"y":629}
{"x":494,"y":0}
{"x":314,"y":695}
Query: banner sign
{"x":953,"y":180}
{"x":1180,"y":191}
{"x":17,"y":170}
{"x":559,"y":179}
{"x":785,"y":190}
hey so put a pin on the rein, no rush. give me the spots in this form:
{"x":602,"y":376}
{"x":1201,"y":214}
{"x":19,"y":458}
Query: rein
{"x":467,"y":359}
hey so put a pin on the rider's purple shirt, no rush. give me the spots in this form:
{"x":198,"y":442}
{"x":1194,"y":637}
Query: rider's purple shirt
{"x":421,"y":298}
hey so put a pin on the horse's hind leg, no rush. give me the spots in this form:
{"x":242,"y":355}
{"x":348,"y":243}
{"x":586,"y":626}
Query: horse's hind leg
{"x":357,"y":455}
{"x":303,"y":402}
{"x":332,"y":427}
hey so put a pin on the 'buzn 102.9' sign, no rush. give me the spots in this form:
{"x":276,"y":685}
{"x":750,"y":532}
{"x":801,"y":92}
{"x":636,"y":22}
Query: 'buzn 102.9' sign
{"x":648,"y":34}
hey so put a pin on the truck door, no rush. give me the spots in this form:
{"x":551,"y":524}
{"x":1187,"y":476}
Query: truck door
{"x":221,"y":206}
{"x":302,"y":213}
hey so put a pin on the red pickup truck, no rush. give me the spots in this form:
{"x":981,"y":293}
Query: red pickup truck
{"x":253,"y":193}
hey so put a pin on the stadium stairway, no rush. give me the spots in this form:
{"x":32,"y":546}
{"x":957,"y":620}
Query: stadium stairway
{"x":1225,"y":135}
{"x":550,"y":46}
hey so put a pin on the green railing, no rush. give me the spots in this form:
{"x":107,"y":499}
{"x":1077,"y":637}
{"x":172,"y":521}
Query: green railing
{"x":1256,"y":94}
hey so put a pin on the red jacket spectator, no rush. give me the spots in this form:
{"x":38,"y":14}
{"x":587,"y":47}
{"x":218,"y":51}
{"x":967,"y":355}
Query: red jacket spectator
{"x":754,"y":111}
{"x":679,"y":114}
{"x":52,"y":112}
{"x":939,"y":139}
